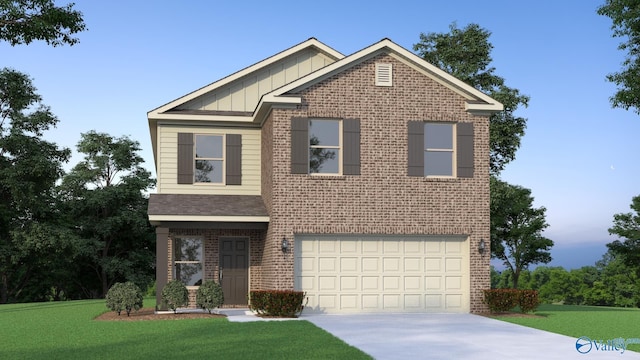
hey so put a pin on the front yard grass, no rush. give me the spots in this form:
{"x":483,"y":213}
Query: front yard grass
{"x":595,"y":322}
{"x":66,"y":330}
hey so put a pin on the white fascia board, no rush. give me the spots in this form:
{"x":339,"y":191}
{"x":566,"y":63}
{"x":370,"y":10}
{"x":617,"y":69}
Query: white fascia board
{"x":195,"y":117}
{"x":312,"y":42}
{"x":204,"y":218}
{"x":409,"y":58}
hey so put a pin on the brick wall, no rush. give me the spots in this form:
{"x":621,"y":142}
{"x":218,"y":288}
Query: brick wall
{"x":212,"y":255}
{"x":383,"y":199}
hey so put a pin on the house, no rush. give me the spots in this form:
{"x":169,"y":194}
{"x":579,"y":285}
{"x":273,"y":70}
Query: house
{"x":362,"y":180}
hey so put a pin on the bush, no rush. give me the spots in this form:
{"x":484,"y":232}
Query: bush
{"x":501,"y":300}
{"x":175,"y":295}
{"x":279,"y":303}
{"x":124,"y":296}
{"x":528,"y":300}
{"x":209,"y":296}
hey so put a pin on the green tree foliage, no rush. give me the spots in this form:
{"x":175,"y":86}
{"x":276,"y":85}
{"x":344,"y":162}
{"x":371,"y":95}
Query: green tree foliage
{"x":105,"y":195}
{"x":24,"y":21}
{"x":516,"y":228}
{"x":627,"y":227}
{"x":29,"y":168}
{"x":625,"y":15}
{"x":466,"y":54}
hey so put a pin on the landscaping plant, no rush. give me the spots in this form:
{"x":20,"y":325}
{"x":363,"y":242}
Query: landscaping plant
{"x":209,"y":296}
{"x":279,"y":303}
{"x":175,"y":295}
{"x":124,"y":296}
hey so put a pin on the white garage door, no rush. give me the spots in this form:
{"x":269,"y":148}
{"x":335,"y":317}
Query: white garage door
{"x":344,"y":273}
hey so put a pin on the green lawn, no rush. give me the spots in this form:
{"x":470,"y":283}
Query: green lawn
{"x":595,"y":322}
{"x":66,"y":330}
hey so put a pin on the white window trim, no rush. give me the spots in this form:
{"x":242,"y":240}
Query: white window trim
{"x":340,"y":147}
{"x":453,"y":150}
{"x":223,"y":159}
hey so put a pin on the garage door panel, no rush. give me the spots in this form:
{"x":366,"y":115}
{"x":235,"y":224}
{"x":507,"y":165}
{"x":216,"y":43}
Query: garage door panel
{"x":370,"y":283}
{"x":348,"y":264}
{"x":348,"y":283}
{"x":372,"y":273}
{"x":412,"y":264}
{"x":327,"y":264}
{"x":391,"y":264}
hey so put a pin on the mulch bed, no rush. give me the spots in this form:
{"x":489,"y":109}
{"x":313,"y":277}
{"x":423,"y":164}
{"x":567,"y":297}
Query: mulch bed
{"x":511,"y":314}
{"x":149,"y":314}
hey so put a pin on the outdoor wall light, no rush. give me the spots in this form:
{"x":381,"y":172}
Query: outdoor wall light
{"x":481,"y":247}
{"x":285,"y":245}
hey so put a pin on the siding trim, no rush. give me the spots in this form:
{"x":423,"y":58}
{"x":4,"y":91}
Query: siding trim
{"x":185,"y":158}
{"x":233,"y":159}
{"x":351,"y":147}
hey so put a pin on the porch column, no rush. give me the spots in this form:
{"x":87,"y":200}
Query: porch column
{"x":162,"y":258}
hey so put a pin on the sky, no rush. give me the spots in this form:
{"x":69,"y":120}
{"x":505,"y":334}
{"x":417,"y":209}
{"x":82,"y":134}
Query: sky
{"x":579,"y":156}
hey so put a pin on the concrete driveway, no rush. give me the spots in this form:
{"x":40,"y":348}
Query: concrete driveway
{"x":457,"y":336}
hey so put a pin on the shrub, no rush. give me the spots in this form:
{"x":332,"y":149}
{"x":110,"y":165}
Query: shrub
{"x":279,"y":303}
{"x":501,"y":300}
{"x":175,"y":295}
{"x":124,"y":296}
{"x":528,"y":300}
{"x":209,"y":296}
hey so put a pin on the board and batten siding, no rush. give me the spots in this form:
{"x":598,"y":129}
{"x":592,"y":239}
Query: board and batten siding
{"x":244,"y":93}
{"x":168,"y":162}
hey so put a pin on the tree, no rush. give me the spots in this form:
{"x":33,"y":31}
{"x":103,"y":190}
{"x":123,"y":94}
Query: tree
{"x":105,"y":194}
{"x":466,"y":54}
{"x":625,"y":15}
{"x":29,"y":168}
{"x":627,"y":227}
{"x":516,"y":228}
{"x":23,"y":21}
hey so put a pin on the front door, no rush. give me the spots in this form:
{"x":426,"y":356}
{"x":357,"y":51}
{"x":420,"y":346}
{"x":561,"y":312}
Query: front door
{"x":234,"y":270}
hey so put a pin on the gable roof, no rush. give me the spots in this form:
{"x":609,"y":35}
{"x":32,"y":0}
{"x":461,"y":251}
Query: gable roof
{"x":477,"y":102}
{"x":164,"y":111}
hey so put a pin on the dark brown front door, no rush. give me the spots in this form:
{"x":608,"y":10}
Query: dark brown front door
{"x":234,"y":270}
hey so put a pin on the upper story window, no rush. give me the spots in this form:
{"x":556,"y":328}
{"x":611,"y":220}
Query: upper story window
{"x":209,"y":159}
{"x":439,"y":149}
{"x":187,"y":260}
{"x":325,"y":146}
{"x":325,"y":142}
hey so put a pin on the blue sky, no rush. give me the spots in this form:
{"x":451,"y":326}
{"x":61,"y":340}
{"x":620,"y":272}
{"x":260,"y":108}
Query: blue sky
{"x":579,"y":156}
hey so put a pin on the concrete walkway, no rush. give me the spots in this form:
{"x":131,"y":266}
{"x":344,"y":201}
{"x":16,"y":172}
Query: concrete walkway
{"x":448,"y":336}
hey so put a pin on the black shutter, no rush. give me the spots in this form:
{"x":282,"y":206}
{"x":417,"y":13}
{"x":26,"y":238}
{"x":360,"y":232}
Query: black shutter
{"x":186,"y":160}
{"x":351,"y":146}
{"x":415,"y":163}
{"x":233,"y":159}
{"x":299,"y":145}
{"x":465,"y":149}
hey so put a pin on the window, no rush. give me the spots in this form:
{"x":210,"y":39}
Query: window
{"x":201,"y":159}
{"x":209,"y":159}
{"x":324,"y":146}
{"x":187,"y":260}
{"x":438,"y":151}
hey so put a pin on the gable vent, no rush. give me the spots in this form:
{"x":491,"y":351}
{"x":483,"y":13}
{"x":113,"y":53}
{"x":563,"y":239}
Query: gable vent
{"x":384,"y":75}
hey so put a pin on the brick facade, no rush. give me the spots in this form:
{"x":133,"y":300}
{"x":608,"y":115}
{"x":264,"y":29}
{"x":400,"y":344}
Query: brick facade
{"x":383,"y":199}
